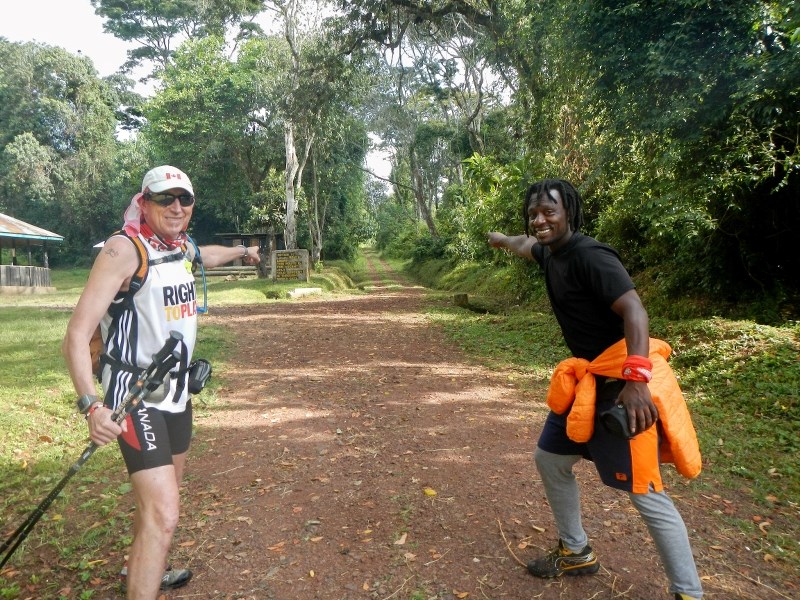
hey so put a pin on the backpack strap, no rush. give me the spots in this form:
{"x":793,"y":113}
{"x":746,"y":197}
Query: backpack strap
{"x":139,"y":276}
{"x":145,"y":262}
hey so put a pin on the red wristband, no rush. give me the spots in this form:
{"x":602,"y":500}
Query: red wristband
{"x":637,"y":368}
{"x":92,"y":408}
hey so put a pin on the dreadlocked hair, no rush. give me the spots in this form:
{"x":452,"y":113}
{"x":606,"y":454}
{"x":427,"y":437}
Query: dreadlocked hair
{"x":573,"y":203}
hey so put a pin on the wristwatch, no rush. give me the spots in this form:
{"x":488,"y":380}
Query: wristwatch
{"x":85,"y":403}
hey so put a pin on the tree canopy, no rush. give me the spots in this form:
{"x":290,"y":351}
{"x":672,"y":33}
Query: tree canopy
{"x":676,"y":119}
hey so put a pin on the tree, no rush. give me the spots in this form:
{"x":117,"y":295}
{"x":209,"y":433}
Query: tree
{"x":335,"y":203}
{"x":432,"y":116}
{"x":211,"y":118}
{"x":701,"y":137}
{"x":226,"y":121}
{"x":161,"y":25}
{"x":57,"y":141}
{"x":313,"y":82}
{"x":290,"y":14}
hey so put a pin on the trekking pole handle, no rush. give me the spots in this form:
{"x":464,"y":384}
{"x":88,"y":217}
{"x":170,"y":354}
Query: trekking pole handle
{"x":164,"y":367}
{"x":151,"y":377}
{"x":167,"y":351}
{"x":164,"y":360}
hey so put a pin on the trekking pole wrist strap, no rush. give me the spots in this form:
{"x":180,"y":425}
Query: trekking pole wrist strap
{"x":93,"y":408}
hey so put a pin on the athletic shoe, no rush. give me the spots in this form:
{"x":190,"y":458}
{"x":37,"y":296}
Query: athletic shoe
{"x":171,"y":580}
{"x":680,"y":596}
{"x":561,"y":561}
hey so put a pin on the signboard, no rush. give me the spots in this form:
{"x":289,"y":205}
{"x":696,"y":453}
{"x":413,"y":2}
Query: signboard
{"x":289,"y":265}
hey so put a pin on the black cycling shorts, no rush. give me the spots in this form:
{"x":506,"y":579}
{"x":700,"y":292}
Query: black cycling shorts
{"x":154,"y":436}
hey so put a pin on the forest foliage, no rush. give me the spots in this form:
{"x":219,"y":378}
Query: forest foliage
{"x":677,"y":120}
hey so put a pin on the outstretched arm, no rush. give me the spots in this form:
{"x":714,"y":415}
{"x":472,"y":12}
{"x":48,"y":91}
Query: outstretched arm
{"x":214,"y":256}
{"x":520,"y":245}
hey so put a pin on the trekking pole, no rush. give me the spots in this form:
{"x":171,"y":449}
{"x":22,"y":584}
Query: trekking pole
{"x":152,"y":377}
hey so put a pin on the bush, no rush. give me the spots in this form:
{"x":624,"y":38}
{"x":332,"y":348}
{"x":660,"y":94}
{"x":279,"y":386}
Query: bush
{"x":428,"y":247}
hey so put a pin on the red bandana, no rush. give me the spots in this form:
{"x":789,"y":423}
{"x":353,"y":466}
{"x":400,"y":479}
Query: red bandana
{"x":160,"y":243}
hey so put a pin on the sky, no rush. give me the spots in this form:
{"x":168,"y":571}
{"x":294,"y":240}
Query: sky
{"x":72,"y":25}
{"x":69,"y":24}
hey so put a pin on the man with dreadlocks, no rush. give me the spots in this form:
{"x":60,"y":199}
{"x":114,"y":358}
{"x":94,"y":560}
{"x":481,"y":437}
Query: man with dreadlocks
{"x":605,"y":399}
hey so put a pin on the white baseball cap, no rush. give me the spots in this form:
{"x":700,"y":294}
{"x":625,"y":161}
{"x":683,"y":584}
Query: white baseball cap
{"x":166,"y":177}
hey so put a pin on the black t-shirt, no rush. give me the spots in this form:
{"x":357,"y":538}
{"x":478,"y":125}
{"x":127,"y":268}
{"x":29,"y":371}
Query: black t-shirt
{"x":584,"y":278}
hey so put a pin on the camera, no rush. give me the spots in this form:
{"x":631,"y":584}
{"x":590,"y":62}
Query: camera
{"x":615,"y":421}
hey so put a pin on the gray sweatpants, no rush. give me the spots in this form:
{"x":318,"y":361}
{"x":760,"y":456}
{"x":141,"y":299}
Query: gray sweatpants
{"x":663,"y":521}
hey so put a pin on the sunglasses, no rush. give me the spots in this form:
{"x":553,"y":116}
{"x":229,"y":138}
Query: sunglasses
{"x":166,"y":199}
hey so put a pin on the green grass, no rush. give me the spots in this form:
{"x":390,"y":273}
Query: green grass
{"x":42,"y":436}
{"x":743,"y":380}
{"x":384,"y":270}
{"x":253,"y":290}
{"x":68,"y":284}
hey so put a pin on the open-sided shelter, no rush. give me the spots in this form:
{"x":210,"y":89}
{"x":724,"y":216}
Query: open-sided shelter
{"x":18,"y":238}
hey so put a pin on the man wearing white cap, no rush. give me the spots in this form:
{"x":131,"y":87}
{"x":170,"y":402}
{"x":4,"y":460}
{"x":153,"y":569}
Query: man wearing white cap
{"x":136,"y":315}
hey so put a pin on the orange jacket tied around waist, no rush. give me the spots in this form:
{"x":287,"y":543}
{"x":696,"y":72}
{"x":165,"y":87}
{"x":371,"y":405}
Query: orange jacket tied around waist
{"x":573,"y":385}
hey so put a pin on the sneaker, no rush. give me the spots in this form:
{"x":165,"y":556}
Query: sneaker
{"x":171,"y":580}
{"x":561,"y":561}
{"x":680,"y":596}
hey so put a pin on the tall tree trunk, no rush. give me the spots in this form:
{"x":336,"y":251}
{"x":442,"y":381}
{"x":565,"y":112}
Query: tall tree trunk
{"x":292,"y":167}
{"x":418,"y":184}
{"x":316,"y":221}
